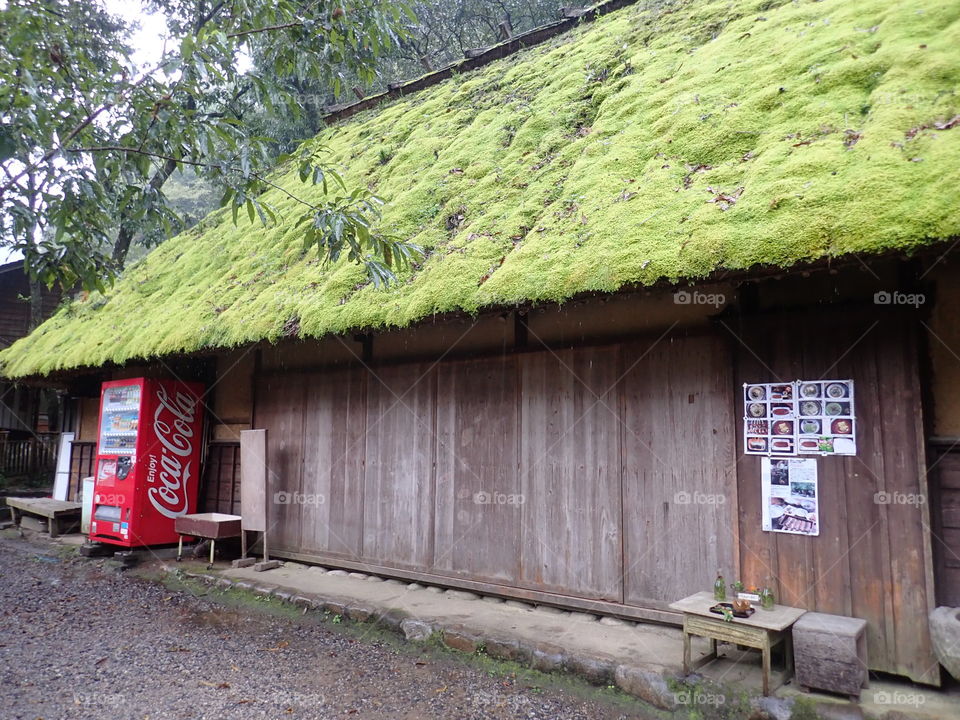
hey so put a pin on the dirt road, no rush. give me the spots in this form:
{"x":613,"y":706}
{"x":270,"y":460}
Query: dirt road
{"x":79,"y":639}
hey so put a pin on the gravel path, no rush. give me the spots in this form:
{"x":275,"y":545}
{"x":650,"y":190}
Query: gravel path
{"x":80,"y":640}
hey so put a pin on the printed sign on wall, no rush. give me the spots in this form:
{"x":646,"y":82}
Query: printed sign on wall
{"x":790,"y":495}
{"x":806,"y":417}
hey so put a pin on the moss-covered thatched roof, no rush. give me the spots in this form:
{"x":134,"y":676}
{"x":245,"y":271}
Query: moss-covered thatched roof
{"x":660,"y":142}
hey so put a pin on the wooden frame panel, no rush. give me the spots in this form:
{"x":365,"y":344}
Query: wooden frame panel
{"x":570,"y":473}
{"x":333,"y":459}
{"x":399,"y":473}
{"x":280,"y":408}
{"x":679,"y":478}
{"x":479,"y":498}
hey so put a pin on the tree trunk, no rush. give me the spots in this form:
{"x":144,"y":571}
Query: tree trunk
{"x":127,"y":230}
{"x":36,"y":304}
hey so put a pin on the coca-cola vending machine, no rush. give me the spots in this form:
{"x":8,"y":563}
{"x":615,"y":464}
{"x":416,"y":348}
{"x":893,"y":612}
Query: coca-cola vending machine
{"x":148,"y":460}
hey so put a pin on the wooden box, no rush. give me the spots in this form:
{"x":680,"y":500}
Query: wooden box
{"x":830,"y":653}
{"x":213,"y":526}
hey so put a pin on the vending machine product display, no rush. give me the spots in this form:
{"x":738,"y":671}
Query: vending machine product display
{"x":148,"y":460}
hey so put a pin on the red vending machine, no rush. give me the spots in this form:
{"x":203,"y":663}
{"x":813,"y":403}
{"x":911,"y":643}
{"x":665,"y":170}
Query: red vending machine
{"x":148,"y":460}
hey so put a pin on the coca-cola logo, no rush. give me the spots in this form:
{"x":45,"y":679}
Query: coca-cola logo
{"x":173,"y":427}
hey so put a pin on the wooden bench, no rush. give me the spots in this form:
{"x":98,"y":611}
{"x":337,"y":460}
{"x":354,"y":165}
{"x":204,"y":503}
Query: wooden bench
{"x":55,"y":511}
{"x":830,"y":653}
{"x":762,"y":631}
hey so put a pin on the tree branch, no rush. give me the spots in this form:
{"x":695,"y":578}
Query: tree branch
{"x":192,"y":163}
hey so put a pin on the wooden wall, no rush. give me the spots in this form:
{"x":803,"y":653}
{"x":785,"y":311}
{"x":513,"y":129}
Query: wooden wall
{"x":19,"y":405}
{"x":945,"y":522}
{"x":872,"y":558}
{"x":943,"y":341}
{"x":624,"y":467}
{"x":532,"y":471}
{"x":14,"y":307}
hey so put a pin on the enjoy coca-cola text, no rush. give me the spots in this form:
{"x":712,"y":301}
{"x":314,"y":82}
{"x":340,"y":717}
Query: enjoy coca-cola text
{"x":173,"y":426}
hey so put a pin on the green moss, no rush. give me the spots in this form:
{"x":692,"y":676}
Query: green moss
{"x":586,"y":164}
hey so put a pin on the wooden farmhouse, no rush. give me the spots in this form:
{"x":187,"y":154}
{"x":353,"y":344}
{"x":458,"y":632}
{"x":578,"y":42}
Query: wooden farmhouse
{"x":628,"y":225}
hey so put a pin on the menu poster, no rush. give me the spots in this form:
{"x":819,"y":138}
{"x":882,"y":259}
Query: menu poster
{"x":806,"y":417}
{"x":790,"y":495}
{"x":770,"y":425}
{"x":826,"y":425}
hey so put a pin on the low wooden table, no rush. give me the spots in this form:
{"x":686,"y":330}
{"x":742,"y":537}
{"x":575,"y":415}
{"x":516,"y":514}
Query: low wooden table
{"x":763,"y":630}
{"x":56,"y":511}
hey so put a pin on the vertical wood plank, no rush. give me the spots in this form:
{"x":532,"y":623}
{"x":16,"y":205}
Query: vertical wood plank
{"x":908,"y":521}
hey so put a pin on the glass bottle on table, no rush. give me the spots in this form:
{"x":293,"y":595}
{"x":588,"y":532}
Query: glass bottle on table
{"x":719,"y":588}
{"x":767,"y":600}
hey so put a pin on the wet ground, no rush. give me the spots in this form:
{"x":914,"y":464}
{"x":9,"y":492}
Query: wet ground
{"x":81,"y":639}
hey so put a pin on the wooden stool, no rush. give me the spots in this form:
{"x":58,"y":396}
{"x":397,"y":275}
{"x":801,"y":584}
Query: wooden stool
{"x":830,"y":653}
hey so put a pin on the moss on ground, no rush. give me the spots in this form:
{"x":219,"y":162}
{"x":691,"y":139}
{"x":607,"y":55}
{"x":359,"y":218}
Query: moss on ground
{"x":662,"y":142}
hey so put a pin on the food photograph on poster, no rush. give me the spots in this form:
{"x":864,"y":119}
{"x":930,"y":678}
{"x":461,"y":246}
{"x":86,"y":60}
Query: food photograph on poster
{"x":790,"y":498}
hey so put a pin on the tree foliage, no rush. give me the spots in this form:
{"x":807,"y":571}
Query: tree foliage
{"x":88,"y":138}
{"x":441,"y":32}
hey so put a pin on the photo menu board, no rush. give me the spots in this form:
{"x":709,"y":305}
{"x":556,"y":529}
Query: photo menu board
{"x":805,"y":417}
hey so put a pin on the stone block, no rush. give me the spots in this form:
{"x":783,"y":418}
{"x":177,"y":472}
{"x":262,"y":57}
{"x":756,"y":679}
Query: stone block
{"x":945,"y":634}
{"x":416,"y":630}
{"x":459,"y":640}
{"x":830,"y":653}
{"x":648,"y":685}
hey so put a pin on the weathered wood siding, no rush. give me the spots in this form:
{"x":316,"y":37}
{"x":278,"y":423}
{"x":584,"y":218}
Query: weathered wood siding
{"x":613,"y":474}
{"x":333,"y":457}
{"x":535,"y":470}
{"x":399,"y":477}
{"x":570,"y":473}
{"x":477,"y":455}
{"x":679,"y":467}
{"x":15,"y":305}
{"x":872,"y":559}
{"x":945,"y":507}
